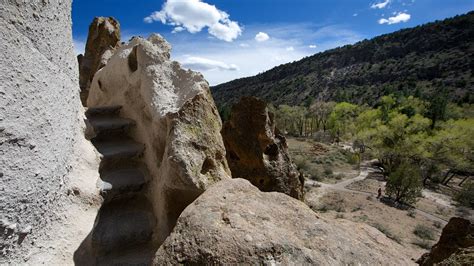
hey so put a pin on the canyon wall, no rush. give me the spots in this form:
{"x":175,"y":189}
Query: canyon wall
{"x":40,"y":119}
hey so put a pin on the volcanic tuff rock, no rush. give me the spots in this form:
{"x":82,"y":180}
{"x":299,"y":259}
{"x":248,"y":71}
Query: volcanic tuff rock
{"x":234,"y":222}
{"x":45,"y":205}
{"x":256,"y":151}
{"x":176,"y":119}
{"x":103,"y":38}
{"x":455,"y":246}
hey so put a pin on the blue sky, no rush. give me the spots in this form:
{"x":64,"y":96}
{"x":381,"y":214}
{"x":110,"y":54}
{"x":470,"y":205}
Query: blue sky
{"x":228,"y":39}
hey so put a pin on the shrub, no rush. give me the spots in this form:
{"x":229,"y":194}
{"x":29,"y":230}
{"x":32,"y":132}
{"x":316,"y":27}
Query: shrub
{"x":328,"y":171}
{"x":387,"y":232}
{"x":301,"y":162}
{"x":424,"y":232}
{"x":339,"y":216}
{"x":412,"y":213}
{"x":422,"y":244}
{"x":466,"y":196}
{"x":339,"y":176}
{"x":323,"y":208}
{"x":437,"y":224}
{"x":404,"y":184}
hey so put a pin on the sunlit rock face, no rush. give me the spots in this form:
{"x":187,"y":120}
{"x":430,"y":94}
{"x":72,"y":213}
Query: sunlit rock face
{"x":40,"y":120}
{"x":235,"y":223}
{"x":256,"y":150}
{"x":102,"y":40}
{"x":176,"y":119}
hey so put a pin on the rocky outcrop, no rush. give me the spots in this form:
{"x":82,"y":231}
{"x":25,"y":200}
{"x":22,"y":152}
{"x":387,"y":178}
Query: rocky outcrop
{"x":233,"y":222}
{"x":40,"y":124}
{"x":455,"y":246}
{"x":175,"y":118}
{"x":102,"y":40}
{"x":256,"y":151}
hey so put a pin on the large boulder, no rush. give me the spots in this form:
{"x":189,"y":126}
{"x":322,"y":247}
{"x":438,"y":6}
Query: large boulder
{"x":103,"y":38}
{"x":455,"y":246}
{"x":176,"y":119}
{"x":235,"y":223}
{"x":256,"y":150}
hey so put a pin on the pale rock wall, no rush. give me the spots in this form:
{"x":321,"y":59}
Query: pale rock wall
{"x":40,"y":122}
{"x":176,"y":119}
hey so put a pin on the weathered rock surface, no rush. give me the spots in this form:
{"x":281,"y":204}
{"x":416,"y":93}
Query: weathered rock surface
{"x":234,"y":222}
{"x":40,"y":122}
{"x":455,"y":246}
{"x":256,"y":151}
{"x":102,"y":40}
{"x":176,"y":119}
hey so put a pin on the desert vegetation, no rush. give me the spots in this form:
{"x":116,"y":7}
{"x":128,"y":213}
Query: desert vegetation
{"x":416,"y":142}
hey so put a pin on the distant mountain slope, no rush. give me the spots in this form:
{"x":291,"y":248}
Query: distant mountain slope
{"x":433,"y":58}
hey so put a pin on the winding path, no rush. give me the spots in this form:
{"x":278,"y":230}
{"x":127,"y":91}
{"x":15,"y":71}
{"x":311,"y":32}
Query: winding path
{"x":364,"y":172}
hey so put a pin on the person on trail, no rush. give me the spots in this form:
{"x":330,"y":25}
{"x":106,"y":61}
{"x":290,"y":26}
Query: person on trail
{"x":379,"y":193}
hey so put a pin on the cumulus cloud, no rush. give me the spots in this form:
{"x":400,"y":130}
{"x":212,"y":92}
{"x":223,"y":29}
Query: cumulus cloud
{"x":399,"y":17}
{"x":261,"y":37}
{"x":380,"y":5}
{"x":313,"y":46}
{"x":289,"y":49}
{"x":205,"y":64}
{"x":194,"y":16}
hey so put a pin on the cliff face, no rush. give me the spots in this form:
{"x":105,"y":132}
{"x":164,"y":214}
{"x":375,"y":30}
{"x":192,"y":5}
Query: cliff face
{"x":39,"y":118}
{"x":425,"y":60}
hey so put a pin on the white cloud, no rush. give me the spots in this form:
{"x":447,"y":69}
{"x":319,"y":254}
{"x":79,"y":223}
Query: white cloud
{"x":178,"y":29}
{"x":194,"y":16}
{"x":400,"y":17}
{"x":261,"y":37}
{"x":205,"y":64}
{"x":79,"y":46}
{"x":261,"y":56}
{"x":380,"y":5}
{"x":313,"y":46}
{"x":290,"y":48}
{"x":355,"y":15}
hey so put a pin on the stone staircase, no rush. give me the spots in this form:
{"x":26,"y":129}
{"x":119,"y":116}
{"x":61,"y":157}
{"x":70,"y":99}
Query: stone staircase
{"x":123,"y":229}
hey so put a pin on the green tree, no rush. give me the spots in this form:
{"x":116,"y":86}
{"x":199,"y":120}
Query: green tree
{"x":404,"y":184}
{"x":341,"y":120}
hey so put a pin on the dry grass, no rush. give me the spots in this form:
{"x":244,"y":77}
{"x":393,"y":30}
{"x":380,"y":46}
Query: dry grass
{"x":394,"y":223}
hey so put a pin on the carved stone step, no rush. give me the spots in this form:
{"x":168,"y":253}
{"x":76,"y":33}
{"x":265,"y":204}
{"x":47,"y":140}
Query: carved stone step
{"x":118,"y":148}
{"x":116,"y":183}
{"x":121,"y":224}
{"x":103,"y":110}
{"x":105,"y":127}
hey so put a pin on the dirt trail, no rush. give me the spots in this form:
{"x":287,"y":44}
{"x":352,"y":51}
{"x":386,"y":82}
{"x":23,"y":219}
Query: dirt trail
{"x":364,"y":172}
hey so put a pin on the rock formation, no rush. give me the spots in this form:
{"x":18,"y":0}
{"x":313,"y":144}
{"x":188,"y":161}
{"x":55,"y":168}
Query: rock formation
{"x":234,"y":223}
{"x":40,"y":125}
{"x":175,"y":118}
{"x":455,"y":246}
{"x":256,"y":151}
{"x":103,"y":38}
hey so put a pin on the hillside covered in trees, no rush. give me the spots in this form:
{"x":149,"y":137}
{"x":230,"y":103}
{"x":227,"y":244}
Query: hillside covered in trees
{"x":432,"y":59}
